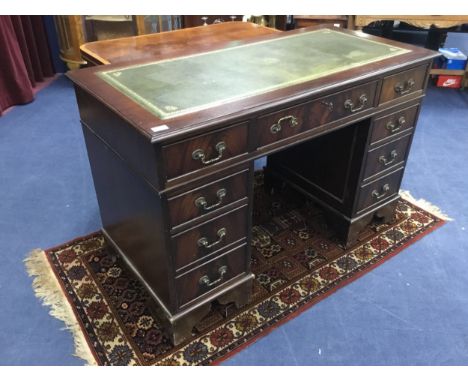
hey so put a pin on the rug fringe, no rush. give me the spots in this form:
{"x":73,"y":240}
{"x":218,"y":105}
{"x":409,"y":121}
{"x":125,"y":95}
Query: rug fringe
{"x":47,"y":289}
{"x":425,"y":205}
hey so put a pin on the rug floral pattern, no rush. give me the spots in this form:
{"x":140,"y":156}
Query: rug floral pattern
{"x":295,"y":258}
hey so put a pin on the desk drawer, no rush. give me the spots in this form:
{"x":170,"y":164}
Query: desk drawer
{"x":286,"y":123}
{"x":402,"y":84}
{"x":386,"y":157}
{"x":211,"y":275}
{"x":276,"y":126}
{"x":197,"y":243}
{"x":204,"y":200}
{"x":379,"y":191}
{"x":390,"y":125}
{"x":205,"y":150}
{"x":343,"y":104}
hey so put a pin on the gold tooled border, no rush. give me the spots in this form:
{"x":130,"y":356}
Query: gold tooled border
{"x":106,"y":75}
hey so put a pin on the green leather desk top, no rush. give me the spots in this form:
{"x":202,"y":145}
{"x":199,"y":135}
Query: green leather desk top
{"x":182,"y":85}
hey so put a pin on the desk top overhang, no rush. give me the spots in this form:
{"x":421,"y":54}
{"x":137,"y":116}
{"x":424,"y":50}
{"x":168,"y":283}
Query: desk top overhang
{"x":199,"y":87}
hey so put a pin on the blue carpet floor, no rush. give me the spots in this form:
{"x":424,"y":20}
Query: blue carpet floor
{"x":413,"y":310}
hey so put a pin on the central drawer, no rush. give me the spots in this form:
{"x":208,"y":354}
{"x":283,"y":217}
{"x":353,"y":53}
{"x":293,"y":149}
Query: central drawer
{"x":274,"y":127}
{"x":343,"y":104}
{"x":199,"y":242}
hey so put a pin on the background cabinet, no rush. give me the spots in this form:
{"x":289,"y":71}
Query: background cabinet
{"x":73,"y":31}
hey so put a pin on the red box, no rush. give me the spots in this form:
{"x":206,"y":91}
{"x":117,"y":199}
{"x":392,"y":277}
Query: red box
{"x":449,"y":81}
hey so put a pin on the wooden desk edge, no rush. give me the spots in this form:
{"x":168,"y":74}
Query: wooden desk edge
{"x":145,"y":120}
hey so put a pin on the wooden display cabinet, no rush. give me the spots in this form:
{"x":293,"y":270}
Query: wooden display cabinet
{"x":74,"y":31}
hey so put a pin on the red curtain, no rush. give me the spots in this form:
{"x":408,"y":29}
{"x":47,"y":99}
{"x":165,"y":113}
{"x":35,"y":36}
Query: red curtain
{"x":24,"y":58}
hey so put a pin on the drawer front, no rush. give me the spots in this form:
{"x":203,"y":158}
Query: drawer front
{"x":197,"y":243}
{"x":386,"y":157}
{"x":205,"y":150}
{"x":274,"y":127}
{"x":207,"y":199}
{"x":379,"y":191}
{"x":390,"y":125}
{"x":280,"y":125}
{"x":211,"y":275}
{"x":402,"y":84}
{"x":343,"y":104}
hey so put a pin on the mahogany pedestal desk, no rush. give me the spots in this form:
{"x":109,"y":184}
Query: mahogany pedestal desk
{"x":172,"y":143}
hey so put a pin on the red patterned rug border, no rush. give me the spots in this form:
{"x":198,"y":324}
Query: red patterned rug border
{"x":63,"y":289}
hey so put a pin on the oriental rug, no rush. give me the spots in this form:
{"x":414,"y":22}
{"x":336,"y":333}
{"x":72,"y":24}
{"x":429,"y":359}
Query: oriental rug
{"x":295,"y":257}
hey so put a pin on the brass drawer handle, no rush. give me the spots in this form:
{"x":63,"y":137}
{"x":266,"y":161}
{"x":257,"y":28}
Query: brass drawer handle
{"x":393,"y":127}
{"x":385,"y":161}
{"x":203,"y":241}
{"x":349,"y":104}
{"x":199,"y":154}
{"x":205,"y":280}
{"x":276,"y":128}
{"x":385,"y":188}
{"x":203,"y":205}
{"x":404,"y":88}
